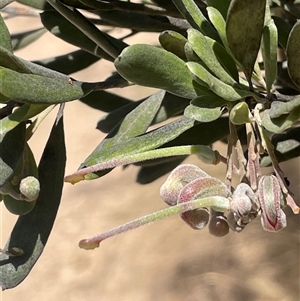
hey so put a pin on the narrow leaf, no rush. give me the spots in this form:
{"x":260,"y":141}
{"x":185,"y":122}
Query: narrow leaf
{"x":174,"y":42}
{"x":191,"y":12}
{"x":19,"y":115}
{"x":11,"y":149}
{"x":293,"y":54}
{"x":66,"y":31}
{"x":279,"y":108}
{"x":244,"y":26}
{"x":223,"y":90}
{"x":281,"y":123}
{"x":206,"y":54}
{"x":5,"y":41}
{"x":148,"y":141}
{"x":221,"y":6}
{"x":31,"y":231}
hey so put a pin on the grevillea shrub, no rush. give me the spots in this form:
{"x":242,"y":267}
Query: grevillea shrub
{"x":223,"y":79}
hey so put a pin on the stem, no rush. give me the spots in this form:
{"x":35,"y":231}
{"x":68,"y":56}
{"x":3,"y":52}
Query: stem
{"x":218,"y":203}
{"x":133,"y":158}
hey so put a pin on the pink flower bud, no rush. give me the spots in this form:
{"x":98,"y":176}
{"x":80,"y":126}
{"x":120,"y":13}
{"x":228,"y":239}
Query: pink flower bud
{"x":271,"y":199}
{"x":178,"y":178}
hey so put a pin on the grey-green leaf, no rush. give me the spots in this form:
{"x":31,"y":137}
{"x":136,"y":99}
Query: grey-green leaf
{"x":36,"y":89}
{"x":203,"y":76}
{"x":142,"y":143}
{"x":11,"y":149}
{"x":151,"y":66}
{"x":5,"y":41}
{"x":205,"y":52}
{"x":279,"y":108}
{"x":205,"y":108}
{"x":244,"y":26}
{"x":293,"y":54}
{"x":281,"y":123}
{"x":31,"y":231}
{"x":66,"y":31}
{"x":192,"y":13}
{"x":174,"y":42}
{"x":221,"y":6}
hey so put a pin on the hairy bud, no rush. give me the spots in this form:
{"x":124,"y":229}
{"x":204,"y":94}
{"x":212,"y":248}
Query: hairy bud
{"x":271,"y":199}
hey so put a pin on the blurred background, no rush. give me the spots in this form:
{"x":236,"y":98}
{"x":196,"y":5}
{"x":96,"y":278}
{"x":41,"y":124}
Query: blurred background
{"x":166,"y":260}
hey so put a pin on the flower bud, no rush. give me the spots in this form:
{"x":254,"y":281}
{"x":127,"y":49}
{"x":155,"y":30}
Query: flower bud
{"x":218,"y":225}
{"x":197,"y":189}
{"x":244,"y":205}
{"x":271,"y":199}
{"x":178,"y":178}
{"x":30,"y":188}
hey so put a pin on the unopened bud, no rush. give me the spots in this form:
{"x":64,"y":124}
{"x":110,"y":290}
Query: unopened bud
{"x":178,"y":178}
{"x":30,"y":188}
{"x":271,"y":199}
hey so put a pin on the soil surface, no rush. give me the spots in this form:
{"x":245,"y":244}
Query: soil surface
{"x":165,"y":261}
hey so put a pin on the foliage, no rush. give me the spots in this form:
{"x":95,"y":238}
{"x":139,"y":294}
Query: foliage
{"x":218,"y":74}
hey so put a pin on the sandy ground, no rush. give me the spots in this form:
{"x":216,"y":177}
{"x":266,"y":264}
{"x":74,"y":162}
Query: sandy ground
{"x":163,"y":261}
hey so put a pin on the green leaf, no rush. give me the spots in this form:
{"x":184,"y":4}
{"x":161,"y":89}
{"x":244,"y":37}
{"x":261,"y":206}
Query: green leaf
{"x":218,"y":22}
{"x":70,"y":62}
{"x":224,"y":58}
{"x":9,"y":60}
{"x":202,"y":134}
{"x":15,"y":63}
{"x":107,"y":43}
{"x":24,"y":39}
{"x":286,"y":145}
{"x":36,"y":89}
{"x":281,"y":123}
{"x":206,"y":54}
{"x":154,"y":67}
{"x":269,"y":50}
{"x":239,"y":114}
{"x":244,"y":26}
{"x":140,"y":144}
{"x":134,"y":124}
{"x":221,"y":6}
{"x":19,"y":115}
{"x":191,"y":12}
{"x":140,"y":21}
{"x":293,"y":54}
{"x":11,"y":149}
{"x":174,"y":42}
{"x":171,"y":105}
{"x":63,"y":29}
{"x":205,"y":108}
{"x":31,"y":231}
{"x":279,"y":108}
{"x":223,"y":90}
{"x":5,"y":41}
